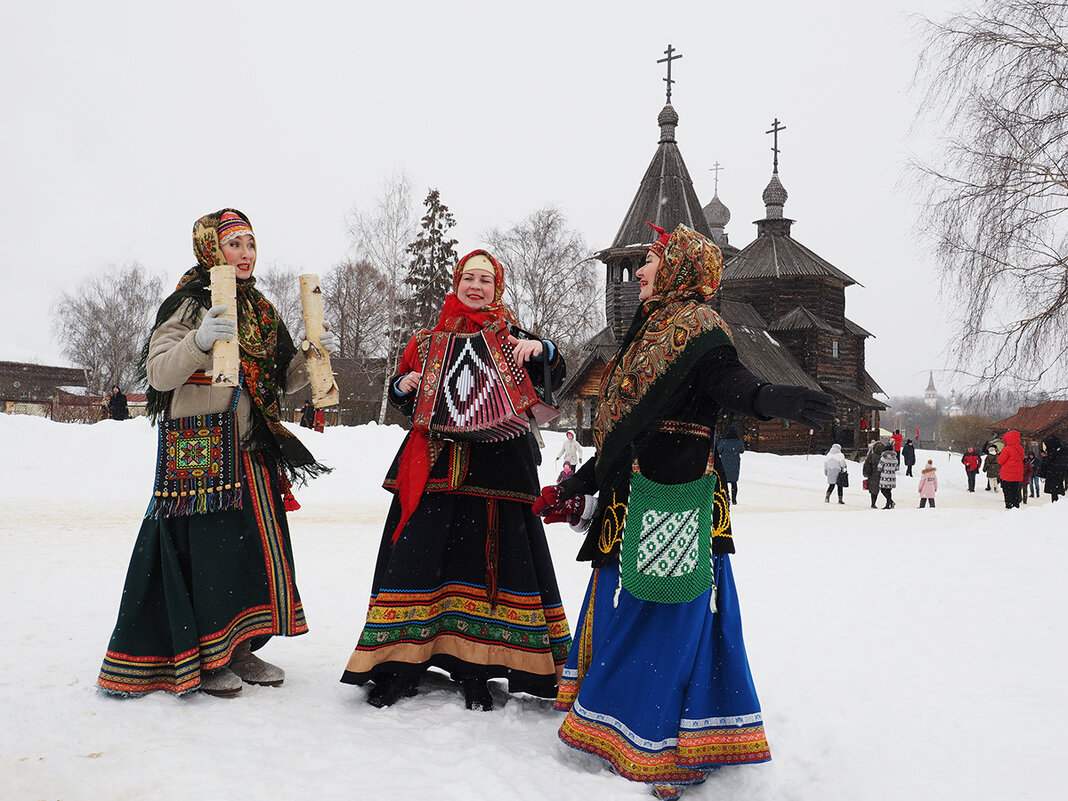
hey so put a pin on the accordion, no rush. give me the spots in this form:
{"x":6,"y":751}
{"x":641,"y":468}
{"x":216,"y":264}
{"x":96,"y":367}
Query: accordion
{"x":473,"y":390}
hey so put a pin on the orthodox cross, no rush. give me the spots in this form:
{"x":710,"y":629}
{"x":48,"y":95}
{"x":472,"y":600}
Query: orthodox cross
{"x":775,"y":128}
{"x":670,"y":57}
{"x":716,"y":168}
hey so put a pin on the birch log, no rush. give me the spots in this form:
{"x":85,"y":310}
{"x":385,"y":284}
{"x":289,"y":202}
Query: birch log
{"x":324,"y":387}
{"x":226,"y":353}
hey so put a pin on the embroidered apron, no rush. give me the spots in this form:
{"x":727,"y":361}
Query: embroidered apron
{"x":666,"y":553}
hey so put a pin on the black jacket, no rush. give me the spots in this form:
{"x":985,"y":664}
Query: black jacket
{"x":908,"y":454}
{"x":719,"y":381}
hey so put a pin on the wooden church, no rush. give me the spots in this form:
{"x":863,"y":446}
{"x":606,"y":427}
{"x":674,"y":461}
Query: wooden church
{"x":784,"y":304}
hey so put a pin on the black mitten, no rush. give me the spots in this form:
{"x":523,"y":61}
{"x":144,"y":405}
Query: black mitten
{"x":808,"y":406}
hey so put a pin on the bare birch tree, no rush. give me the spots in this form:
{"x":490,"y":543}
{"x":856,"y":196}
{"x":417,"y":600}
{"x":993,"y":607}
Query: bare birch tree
{"x":996,"y":83}
{"x":102,"y":323}
{"x":550,"y":277}
{"x":380,"y":235}
{"x":353,"y":291}
{"x":281,"y":285}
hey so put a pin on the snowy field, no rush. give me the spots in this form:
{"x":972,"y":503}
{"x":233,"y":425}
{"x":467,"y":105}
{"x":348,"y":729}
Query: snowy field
{"x":902,"y":654}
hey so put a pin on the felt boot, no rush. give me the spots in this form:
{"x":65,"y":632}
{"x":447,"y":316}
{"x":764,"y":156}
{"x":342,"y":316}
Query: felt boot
{"x":221,"y":682}
{"x":250,"y":668}
{"x":390,"y":688}
{"x":476,"y":694}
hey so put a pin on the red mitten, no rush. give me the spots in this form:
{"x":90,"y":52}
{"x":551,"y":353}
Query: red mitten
{"x":566,"y":511}
{"x":549,"y":497}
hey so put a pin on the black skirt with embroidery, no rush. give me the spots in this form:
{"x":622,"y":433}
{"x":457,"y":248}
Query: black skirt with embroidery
{"x":199,"y":585}
{"x":469,"y":587}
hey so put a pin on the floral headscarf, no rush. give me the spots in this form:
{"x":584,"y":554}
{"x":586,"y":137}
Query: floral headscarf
{"x":266,"y":347}
{"x":671,"y":331}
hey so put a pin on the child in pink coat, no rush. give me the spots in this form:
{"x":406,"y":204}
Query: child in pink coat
{"x":928,"y":485}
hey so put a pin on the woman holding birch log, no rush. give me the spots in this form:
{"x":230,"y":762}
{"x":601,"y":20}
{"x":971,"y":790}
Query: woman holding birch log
{"x":658,"y":683}
{"x":211,"y":578}
{"x":464,"y":580}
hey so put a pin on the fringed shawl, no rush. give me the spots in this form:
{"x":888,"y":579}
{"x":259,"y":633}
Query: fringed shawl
{"x":266,"y":351}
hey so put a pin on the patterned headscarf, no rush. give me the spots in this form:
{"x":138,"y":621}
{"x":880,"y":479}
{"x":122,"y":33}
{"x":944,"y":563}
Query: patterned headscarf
{"x":266,"y":345}
{"x":462,"y":319}
{"x":230,"y":226}
{"x":671,"y":331}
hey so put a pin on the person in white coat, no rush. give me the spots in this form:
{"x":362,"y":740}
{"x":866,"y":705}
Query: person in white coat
{"x":571,"y":451}
{"x":833,"y":466}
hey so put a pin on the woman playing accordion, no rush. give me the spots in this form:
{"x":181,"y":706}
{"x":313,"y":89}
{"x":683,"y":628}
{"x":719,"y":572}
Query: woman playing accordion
{"x":464,"y":581}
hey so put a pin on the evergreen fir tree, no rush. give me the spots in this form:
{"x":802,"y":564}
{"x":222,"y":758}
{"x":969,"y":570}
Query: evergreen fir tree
{"x":433,"y":257}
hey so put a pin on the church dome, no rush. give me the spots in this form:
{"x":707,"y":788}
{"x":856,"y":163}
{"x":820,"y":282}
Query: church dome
{"x":716,"y":213}
{"x":774,"y":196}
{"x":667,"y":120}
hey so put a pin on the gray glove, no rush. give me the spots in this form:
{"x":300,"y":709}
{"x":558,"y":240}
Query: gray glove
{"x":214,"y":327}
{"x":330,"y":342}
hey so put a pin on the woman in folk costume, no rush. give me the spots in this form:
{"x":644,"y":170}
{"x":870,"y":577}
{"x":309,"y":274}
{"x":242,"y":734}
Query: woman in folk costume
{"x":211,"y":578}
{"x":464,"y":581}
{"x":657,"y":682}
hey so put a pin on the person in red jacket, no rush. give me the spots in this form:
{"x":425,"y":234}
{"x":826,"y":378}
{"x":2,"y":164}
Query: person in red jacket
{"x":1011,"y":461}
{"x":971,"y":461}
{"x":897,"y":438}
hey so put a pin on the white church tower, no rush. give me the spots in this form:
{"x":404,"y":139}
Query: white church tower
{"x":930,"y":395}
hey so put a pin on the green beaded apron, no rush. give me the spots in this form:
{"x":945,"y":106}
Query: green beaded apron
{"x":666,"y":553}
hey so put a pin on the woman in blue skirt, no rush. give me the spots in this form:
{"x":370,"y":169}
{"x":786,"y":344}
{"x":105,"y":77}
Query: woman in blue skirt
{"x":657,"y":682}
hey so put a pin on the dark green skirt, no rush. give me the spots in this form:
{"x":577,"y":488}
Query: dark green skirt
{"x":199,"y":585}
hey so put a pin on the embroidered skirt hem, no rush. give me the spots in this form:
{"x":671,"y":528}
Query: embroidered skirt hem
{"x":433,"y":605}
{"x":662,"y":692}
{"x":198,"y":586}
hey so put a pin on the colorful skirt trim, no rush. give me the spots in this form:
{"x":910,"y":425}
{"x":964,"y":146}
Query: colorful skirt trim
{"x":200,"y":585}
{"x":662,"y":692}
{"x":415,"y":620}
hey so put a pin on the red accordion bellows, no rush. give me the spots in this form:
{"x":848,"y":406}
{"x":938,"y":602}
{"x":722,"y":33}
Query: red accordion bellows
{"x":471,"y":388}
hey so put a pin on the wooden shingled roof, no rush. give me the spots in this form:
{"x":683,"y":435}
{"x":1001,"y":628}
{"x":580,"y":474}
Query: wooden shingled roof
{"x":759,"y":351}
{"x":666,"y":196}
{"x":779,"y":256}
{"x":1039,"y":421}
{"x":801,"y":319}
{"x":856,"y":330}
{"x":601,"y":347}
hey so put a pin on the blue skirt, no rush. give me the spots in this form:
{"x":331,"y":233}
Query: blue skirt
{"x":662,"y":692}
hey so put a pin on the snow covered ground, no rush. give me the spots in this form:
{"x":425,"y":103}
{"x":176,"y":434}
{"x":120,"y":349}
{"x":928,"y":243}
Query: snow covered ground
{"x":901,"y":654}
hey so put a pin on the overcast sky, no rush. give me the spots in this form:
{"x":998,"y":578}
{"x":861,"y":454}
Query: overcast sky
{"x":123,"y":122}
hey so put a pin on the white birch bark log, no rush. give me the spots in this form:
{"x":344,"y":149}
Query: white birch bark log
{"x":323,"y":385}
{"x":226,"y":353}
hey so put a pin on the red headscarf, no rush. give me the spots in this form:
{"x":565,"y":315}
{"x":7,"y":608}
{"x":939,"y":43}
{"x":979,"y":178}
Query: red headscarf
{"x":413,"y":471}
{"x":462,"y":319}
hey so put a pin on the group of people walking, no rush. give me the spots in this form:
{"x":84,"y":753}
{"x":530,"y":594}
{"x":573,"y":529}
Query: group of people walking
{"x":656,"y":680}
{"x":1019,"y":475}
{"x":1009,"y":469}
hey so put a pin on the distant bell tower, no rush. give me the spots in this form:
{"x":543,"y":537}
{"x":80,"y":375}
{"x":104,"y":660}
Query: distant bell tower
{"x":930,"y":395}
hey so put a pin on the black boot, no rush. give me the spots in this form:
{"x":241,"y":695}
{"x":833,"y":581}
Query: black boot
{"x":390,"y":688}
{"x":827,"y":497}
{"x":476,"y":694}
